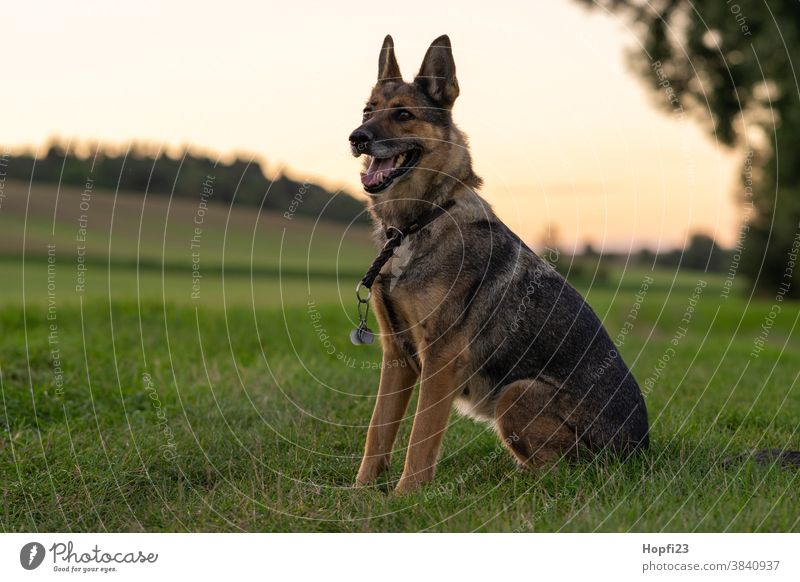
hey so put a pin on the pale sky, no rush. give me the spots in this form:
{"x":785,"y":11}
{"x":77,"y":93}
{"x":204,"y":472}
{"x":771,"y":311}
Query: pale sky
{"x":560,"y":130}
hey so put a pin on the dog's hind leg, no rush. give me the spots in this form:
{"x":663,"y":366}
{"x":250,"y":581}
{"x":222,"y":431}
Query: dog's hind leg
{"x":531,"y":424}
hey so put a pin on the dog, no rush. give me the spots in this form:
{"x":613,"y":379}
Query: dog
{"x":448,"y":300}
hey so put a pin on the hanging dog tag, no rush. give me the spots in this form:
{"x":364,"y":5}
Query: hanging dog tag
{"x":362,"y":335}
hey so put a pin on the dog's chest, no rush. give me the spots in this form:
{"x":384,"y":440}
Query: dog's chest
{"x":416,"y":265}
{"x":411,"y":295}
{"x":399,"y":263}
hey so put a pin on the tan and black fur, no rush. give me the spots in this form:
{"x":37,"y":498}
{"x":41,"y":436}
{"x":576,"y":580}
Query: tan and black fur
{"x":551,"y":382}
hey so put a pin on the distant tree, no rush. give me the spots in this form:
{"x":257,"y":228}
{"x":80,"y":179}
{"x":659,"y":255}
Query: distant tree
{"x":729,"y":65}
{"x":646,"y":257}
{"x":702,"y":254}
{"x":550,"y":244}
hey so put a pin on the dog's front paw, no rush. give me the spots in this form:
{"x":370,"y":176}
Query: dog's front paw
{"x":371,"y":469}
{"x":405,"y":487}
{"x":410,"y":484}
{"x":365,"y":480}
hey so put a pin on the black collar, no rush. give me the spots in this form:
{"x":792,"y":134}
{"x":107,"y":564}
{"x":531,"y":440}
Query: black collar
{"x":395,"y":236}
{"x":421,"y":222}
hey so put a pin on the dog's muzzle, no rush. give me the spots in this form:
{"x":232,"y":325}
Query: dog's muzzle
{"x":359,"y":141}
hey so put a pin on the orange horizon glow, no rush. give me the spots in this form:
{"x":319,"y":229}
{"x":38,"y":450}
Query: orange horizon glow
{"x":561,"y":131}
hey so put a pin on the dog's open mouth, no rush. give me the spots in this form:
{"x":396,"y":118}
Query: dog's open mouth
{"x":383,"y":171}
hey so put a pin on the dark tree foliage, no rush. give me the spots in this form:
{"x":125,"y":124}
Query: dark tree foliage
{"x":701,"y":254}
{"x":239,"y":181}
{"x":730,"y":64}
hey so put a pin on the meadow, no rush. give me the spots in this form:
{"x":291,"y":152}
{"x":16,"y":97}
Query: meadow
{"x":137,"y":396}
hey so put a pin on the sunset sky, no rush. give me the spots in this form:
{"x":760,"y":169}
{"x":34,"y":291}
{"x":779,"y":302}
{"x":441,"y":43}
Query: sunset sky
{"x":560,"y":129}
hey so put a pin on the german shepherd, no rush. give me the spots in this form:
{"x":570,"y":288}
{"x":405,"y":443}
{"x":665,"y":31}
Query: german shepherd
{"x":551,"y":381}
{"x":468,"y":309}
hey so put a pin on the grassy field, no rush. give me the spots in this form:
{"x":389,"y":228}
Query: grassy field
{"x":129,"y":405}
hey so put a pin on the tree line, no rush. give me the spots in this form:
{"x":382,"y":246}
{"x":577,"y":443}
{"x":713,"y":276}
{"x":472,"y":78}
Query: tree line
{"x":238,"y":181}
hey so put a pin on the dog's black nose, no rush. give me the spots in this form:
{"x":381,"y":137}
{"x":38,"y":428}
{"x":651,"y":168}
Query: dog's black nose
{"x":360,"y":138}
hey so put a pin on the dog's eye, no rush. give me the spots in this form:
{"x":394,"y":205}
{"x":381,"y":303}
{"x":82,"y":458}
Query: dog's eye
{"x":367,"y":113}
{"x":403,"y":115}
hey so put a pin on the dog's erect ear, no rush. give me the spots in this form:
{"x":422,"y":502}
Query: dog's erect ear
{"x":388,"y":69}
{"x":437,"y":75}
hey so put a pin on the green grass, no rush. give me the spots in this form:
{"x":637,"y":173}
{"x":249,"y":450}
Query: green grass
{"x":156,"y":231}
{"x":246,"y":409}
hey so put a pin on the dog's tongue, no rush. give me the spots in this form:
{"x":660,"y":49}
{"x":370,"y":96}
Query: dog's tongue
{"x":378,"y":169}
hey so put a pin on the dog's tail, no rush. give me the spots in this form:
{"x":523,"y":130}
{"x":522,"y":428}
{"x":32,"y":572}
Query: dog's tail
{"x":784,"y":458}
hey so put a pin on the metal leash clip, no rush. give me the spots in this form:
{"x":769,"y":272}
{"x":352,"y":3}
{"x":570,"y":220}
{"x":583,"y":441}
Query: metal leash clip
{"x":362,"y":335}
{"x":394,"y":238}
